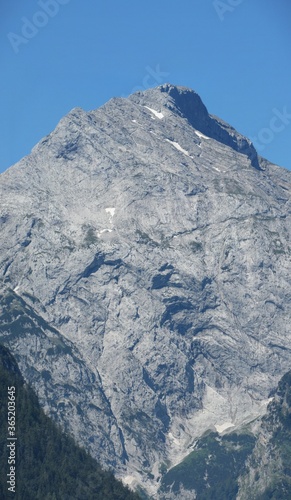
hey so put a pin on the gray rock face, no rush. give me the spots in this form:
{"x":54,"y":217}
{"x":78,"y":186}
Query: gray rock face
{"x":145,"y":261}
{"x":267,"y":473}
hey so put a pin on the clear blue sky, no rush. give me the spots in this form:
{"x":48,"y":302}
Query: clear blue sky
{"x":234,"y":53}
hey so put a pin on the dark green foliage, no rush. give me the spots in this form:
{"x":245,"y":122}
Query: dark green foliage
{"x":144,"y":238}
{"x":90,"y":238}
{"x":196,"y":246}
{"x":213,"y":468}
{"x":277,"y":492}
{"x":268,"y":472}
{"x":278,"y":421}
{"x":49,"y":465}
{"x":142,"y":494}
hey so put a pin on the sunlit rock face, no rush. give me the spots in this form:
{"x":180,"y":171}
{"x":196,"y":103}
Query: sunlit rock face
{"x":145,"y":277}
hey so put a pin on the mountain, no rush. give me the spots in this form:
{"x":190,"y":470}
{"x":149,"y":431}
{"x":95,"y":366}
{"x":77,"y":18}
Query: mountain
{"x":45,"y":463}
{"x":252,"y":463}
{"x":145,"y":278}
{"x":268,"y":472}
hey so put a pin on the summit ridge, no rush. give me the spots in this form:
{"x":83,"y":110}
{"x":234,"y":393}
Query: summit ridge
{"x":189,"y":105}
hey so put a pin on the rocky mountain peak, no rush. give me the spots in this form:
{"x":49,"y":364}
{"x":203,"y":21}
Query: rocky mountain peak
{"x":187,"y":103}
{"x":144,"y":277}
{"x":181,"y":100}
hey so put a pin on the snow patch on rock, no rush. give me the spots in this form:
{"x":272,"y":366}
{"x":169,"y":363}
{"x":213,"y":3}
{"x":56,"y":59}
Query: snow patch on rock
{"x":156,"y":113}
{"x":178,"y":147}
{"x":201,"y":136}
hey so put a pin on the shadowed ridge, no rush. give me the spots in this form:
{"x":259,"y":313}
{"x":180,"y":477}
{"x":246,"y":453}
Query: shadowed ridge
{"x":188,"y":104}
